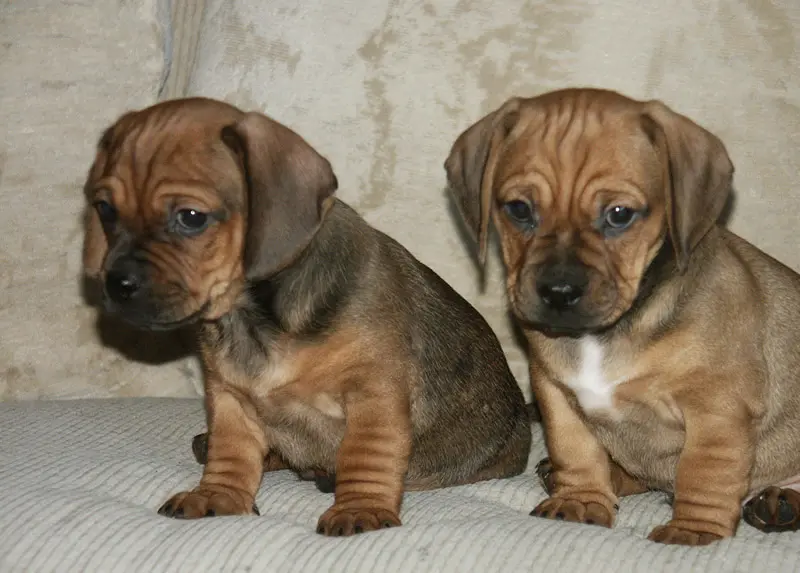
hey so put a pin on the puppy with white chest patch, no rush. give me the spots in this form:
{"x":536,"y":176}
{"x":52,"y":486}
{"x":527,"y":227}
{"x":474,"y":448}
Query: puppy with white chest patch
{"x":663,"y":347}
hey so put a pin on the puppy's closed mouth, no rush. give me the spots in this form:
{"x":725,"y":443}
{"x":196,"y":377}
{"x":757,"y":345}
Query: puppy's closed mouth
{"x":560,"y":332}
{"x":553,"y":331}
{"x":185,"y":321}
{"x":157,"y":325}
{"x":575,"y":328}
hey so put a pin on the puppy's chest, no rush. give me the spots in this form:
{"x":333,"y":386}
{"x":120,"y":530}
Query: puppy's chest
{"x":588,"y":371}
{"x":612,"y":380}
{"x":626,"y":405}
{"x":279,"y":375}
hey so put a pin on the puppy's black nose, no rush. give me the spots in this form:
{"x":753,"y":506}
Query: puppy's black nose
{"x":123,"y":283}
{"x":559,"y":295}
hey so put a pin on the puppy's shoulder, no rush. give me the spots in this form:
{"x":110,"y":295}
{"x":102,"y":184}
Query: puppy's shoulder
{"x":763,"y":266}
{"x":394,"y":282}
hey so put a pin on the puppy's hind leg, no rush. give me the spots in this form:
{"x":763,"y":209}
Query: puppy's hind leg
{"x":272,"y":462}
{"x":512,"y":458}
{"x":775,"y":509}
{"x":624,"y":484}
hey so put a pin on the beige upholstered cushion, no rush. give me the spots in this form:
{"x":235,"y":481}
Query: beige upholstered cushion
{"x":384,"y":87}
{"x":80,"y":483}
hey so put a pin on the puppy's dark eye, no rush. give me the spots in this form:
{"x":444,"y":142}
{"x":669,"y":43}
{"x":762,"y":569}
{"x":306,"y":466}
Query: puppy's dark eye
{"x":191,"y":221}
{"x":520,"y":212}
{"x":106,"y":212}
{"x":618,"y":218}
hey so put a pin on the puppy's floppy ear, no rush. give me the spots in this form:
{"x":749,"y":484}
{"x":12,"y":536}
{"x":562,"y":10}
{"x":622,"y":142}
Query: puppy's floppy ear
{"x":698,"y":176}
{"x":288,"y":185}
{"x":95,"y":245}
{"x":470,"y":169}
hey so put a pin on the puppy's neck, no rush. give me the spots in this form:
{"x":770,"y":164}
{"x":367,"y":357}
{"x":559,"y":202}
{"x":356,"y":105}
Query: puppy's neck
{"x":306,"y":298}
{"x":661,"y":297}
{"x":301,"y":303}
{"x":655,"y":282}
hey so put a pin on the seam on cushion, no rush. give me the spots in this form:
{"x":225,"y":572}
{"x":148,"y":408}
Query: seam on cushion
{"x":183,"y":20}
{"x":164,"y":12}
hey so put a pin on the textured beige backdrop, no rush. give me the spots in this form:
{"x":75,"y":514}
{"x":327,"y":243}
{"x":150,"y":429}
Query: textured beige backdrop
{"x":382,"y":87}
{"x":66,"y":70}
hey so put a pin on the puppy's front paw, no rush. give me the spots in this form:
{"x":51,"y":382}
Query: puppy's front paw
{"x":340,"y":522}
{"x":570,"y":509}
{"x":206,"y":503}
{"x":681,"y":535}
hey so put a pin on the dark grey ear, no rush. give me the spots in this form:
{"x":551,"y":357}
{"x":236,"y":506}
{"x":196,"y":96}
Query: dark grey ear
{"x":288,"y":184}
{"x":470,"y":169}
{"x":698,"y":173}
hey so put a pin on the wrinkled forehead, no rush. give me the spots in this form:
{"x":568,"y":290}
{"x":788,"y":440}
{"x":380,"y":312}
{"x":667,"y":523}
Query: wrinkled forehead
{"x":570,"y":141}
{"x":170,"y":145}
{"x":195,"y":116}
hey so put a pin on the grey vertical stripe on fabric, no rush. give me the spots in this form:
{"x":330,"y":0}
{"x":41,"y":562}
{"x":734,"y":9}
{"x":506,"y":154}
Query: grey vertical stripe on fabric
{"x":181,"y":37}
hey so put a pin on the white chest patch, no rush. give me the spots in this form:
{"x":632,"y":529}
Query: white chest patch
{"x":593,"y":390}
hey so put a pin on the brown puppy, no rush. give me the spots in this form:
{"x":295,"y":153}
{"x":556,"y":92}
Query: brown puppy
{"x":326,"y":346}
{"x":665,"y":348}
